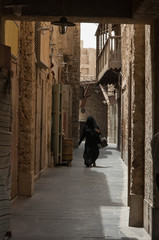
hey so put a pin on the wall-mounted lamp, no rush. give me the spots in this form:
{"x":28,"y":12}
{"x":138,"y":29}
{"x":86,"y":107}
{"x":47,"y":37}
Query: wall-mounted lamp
{"x":63,"y":24}
{"x":16,"y":6}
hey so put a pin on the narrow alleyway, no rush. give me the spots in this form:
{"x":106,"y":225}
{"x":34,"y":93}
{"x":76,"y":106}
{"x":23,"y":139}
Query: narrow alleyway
{"x":75,"y":203}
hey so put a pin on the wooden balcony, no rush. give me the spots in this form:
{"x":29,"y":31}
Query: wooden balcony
{"x":109,"y":57}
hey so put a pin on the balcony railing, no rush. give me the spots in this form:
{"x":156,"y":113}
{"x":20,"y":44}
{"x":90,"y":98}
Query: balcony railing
{"x":109,"y":57}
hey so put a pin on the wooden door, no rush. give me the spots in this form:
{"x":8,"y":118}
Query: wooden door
{"x":67,"y":110}
{"x":57,"y":123}
{"x":40,"y":126}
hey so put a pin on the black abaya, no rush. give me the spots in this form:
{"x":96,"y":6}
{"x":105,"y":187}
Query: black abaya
{"x":91,"y":151}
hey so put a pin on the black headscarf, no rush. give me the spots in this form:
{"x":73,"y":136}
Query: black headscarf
{"x":91,"y":123}
{"x":88,"y":132}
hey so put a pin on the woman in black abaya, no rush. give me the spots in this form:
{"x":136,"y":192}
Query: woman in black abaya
{"x":91,"y":133}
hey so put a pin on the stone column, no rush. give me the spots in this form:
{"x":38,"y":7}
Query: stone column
{"x":152,"y":198}
{"x":148,"y":189}
{"x":75,"y":83}
{"x":137,"y":127}
{"x":26,"y":109}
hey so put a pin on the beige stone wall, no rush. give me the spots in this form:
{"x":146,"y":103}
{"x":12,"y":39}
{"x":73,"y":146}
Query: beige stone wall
{"x":138,"y":110}
{"x":68,"y":45}
{"x":127,"y":33}
{"x":148,"y":117}
{"x":88,"y":63}
{"x":127,"y":48}
{"x":94,"y":104}
{"x":26,"y":109}
{"x":35,"y":94}
{"x":133,"y":107}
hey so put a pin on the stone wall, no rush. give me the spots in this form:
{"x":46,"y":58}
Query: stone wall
{"x":151,"y":201}
{"x":148,"y":189}
{"x":35,"y":93}
{"x":68,"y":45}
{"x":133,"y":86}
{"x":75,"y":83}
{"x":95,"y":107}
{"x":137,"y":127}
{"x":127,"y":33}
{"x":88,"y":64}
{"x":140,"y":89}
{"x":95,"y":102}
{"x":138,"y":108}
{"x":148,"y":116}
{"x":26,"y":109}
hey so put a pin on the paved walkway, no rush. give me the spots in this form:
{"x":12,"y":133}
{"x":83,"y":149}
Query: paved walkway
{"x":78,"y":203}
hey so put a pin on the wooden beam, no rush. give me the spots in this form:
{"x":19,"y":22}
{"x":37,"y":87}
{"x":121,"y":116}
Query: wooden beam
{"x":105,"y":94}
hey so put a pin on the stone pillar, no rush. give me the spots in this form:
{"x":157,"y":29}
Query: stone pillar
{"x":26,"y":109}
{"x":148,"y":189}
{"x":75,"y":114}
{"x":75,"y":83}
{"x":137,"y":128}
{"x":151,"y":203}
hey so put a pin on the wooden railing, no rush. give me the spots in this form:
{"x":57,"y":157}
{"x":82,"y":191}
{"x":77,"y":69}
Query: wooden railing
{"x":109,"y":57}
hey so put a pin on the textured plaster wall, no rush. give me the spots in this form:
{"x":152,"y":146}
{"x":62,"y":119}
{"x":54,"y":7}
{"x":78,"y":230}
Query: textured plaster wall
{"x":148,"y":117}
{"x":133,"y":52}
{"x":138,"y":111}
{"x":127,"y":33}
{"x":75,"y":82}
{"x":26,"y":108}
{"x":137,"y":68}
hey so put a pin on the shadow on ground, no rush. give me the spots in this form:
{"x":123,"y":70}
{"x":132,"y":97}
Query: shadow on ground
{"x":75,"y":203}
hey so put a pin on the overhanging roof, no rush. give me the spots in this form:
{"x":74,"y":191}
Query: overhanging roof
{"x":111,"y":76}
{"x":117,"y":11}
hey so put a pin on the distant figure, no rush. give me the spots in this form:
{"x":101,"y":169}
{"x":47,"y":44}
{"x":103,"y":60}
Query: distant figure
{"x":91,"y":133}
{"x":155,"y":156}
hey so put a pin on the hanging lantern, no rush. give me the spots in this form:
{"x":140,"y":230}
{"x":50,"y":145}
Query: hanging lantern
{"x":63,"y":24}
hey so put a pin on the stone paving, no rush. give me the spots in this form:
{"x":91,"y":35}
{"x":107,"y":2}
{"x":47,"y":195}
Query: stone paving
{"x":78,"y":203}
